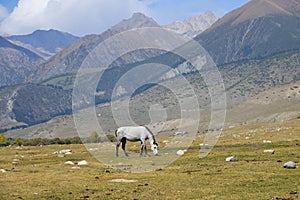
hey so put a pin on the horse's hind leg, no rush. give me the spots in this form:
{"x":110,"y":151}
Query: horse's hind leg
{"x":123,"y":146}
{"x":117,"y":147}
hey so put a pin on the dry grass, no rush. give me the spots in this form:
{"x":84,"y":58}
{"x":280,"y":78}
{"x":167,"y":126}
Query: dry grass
{"x":40,"y":174}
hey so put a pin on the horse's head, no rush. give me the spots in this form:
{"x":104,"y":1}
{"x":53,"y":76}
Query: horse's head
{"x":154,"y":148}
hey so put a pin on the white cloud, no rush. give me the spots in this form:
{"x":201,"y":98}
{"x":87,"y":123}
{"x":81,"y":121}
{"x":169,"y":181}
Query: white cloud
{"x":3,"y":13}
{"x":75,"y":16}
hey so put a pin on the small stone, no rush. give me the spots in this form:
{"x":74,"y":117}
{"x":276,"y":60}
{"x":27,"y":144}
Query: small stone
{"x":69,"y":163}
{"x":180,"y":152}
{"x":83,"y":162}
{"x":231,"y":159}
{"x":269,"y":151}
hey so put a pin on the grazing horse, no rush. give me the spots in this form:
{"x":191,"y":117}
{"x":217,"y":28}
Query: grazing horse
{"x":135,"y":133}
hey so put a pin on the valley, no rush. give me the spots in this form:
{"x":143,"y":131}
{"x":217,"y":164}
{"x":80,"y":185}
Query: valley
{"x":42,"y":174}
{"x":222,"y":100}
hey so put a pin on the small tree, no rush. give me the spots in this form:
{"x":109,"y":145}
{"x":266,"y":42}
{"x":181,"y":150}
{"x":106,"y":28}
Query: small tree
{"x":3,"y":141}
{"x":94,"y":137}
{"x":2,"y":138}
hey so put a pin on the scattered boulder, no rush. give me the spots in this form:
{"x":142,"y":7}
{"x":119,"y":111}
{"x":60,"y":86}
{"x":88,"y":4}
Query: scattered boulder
{"x":65,"y":151}
{"x":289,"y":165}
{"x":2,"y":170}
{"x":69,"y":163}
{"x":123,"y":181}
{"x":269,"y":151}
{"x":61,"y":155}
{"x":267,"y":141}
{"x":231,"y":159}
{"x":180,"y":152}
{"x":180,"y":133}
{"x":203,"y":145}
{"x":82,"y":163}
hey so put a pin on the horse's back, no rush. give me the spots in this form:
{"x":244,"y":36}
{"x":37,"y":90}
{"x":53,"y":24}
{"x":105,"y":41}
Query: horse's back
{"x":133,"y":133}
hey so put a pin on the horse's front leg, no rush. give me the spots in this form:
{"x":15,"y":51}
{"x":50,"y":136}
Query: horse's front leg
{"x":143,"y":147}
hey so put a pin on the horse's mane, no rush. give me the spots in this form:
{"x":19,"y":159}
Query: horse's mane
{"x":151,"y":134}
{"x":149,"y":131}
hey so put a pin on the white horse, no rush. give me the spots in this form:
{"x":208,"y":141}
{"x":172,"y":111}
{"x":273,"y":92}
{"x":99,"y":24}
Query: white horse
{"x":135,"y":133}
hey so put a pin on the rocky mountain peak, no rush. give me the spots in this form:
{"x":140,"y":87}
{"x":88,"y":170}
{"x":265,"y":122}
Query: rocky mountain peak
{"x":193,"y":25}
{"x":138,"y":20}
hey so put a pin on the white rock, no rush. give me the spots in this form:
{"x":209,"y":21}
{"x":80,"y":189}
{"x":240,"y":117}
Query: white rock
{"x":290,"y":165}
{"x":231,"y":159}
{"x":83,"y":162}
{"x":69,"y":163}
{"x":2,"y":170}
{"x":269,"y":151}
{"x":123,"y":181}
{"x":267,"y":141}
{"x":203,"y":145}
{"x":180,"y":152}
{"x":65,"y":151}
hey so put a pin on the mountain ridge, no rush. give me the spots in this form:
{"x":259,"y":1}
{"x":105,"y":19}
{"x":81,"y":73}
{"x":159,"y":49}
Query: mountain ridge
{"x":50,"y":40}
{"x":235,"y":37}
{"x":70,"y":58}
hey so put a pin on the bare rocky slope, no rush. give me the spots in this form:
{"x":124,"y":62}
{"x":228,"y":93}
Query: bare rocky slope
{"x":16,"y":63}
{"x":258,"y":29}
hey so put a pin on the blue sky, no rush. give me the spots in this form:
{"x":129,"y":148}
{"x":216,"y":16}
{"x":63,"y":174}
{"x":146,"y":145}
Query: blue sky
{"x":175,"y":10}
{"x":9,"y":4}
{"x":82,"y":17}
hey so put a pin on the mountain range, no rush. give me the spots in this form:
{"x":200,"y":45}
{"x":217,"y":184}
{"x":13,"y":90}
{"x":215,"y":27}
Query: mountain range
{"x":256,"y":48}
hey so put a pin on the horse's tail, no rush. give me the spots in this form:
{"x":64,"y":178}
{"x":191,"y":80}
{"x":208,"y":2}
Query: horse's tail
{"x":116,"y":131}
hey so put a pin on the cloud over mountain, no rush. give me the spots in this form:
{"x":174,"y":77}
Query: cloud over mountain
{"x":74,"y":16}
{"x":3,"y":13}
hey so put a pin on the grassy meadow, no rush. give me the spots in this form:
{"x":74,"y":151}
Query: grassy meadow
{"x":40,"y":174}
